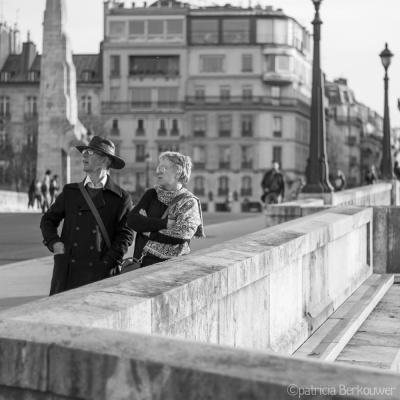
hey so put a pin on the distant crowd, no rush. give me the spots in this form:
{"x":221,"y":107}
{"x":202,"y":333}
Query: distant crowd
{"x":43,"y":192}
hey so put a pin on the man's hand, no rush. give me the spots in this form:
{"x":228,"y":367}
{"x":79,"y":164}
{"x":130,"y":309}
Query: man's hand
{"x":58,"y":248}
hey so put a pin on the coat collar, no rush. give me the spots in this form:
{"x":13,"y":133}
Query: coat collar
{"x":110,"y":185}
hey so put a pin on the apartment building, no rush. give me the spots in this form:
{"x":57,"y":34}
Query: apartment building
{"x":228,"y":86}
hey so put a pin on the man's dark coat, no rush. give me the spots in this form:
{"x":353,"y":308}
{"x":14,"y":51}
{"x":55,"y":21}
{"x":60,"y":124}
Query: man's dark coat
{"x":87,"y":258}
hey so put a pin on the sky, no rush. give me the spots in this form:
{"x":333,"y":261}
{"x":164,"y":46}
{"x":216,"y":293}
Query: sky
{"x":354,"y":32}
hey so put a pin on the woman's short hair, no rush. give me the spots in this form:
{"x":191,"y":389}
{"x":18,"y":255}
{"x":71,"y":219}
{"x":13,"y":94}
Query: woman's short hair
{"x":181,"y":162}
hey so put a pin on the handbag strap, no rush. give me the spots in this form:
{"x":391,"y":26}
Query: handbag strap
{"x":174,"y":201}
{"x":95,"y":213}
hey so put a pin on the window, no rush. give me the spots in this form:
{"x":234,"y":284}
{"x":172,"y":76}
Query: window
{"x":198,"y":186}
{"x":114,"y":93}
{"x":154,"y":65}
{"x":136,"y":29}
{"x":247,"y":63}
{"x":140,"y":97}
{"x":204,"y":31}
{"x":223,"y":185}
{"x":31,"y":106}
{"x":212,"y":63}
{"x":224,"y":125}
{"x":199,"y":157}
{"x":225,"y":93}
{"x":4,"y":106}
{"x":275,"y":91}
{"x":162,"y":130}
{"x":282,"y":63}
{"x":174,"y":128}
{"x":199,"y":125}
{"x":247,"y":93}
{"x":33,"y":76}
{"x":247,"y":125}
{"x":140,"y":152}
{"x":225,"y":157}
{"x":140,"y":130}
{"x":236,"y":30}
{"x":87,"y":75}
{"x":277,"y":155}
{"x":199,"y":93}
{"x":115,"y":65}
{"x":115,"y":127}
{"x":167,"y":97}
{"x":87,"y":104}
{"x":277,"y":127}
{"x":167,"y":147}
{"x":246,"y":186}
{"x":5,"y":76}
{"x":117,"y":28}
{"x":155,"y":28}
{"x":174,"y":28}
{"x":247,"y":157}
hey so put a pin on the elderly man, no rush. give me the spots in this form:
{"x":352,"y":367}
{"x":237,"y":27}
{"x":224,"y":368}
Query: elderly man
{"x":81,"y":254}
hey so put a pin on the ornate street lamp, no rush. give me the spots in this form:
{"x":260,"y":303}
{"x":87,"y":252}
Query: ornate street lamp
{"x":386,"y":165}
{"x":317,"y":171}
{"x":147,"y":161}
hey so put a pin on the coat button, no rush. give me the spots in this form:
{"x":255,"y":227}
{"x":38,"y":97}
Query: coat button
{"x":91,"y":247}
{"x":73,"y":260}
{"x":77,"y":228}
{"x":79,"y":213}
{"x":75,"y":244}
{"x":90,"y":264}
{"x":94,"y":231}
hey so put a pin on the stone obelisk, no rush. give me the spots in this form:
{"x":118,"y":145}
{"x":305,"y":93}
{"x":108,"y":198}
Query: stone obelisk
{"x":59,"y":126}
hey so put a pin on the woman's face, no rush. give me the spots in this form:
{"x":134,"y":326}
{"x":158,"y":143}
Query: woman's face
{"x":167,"y":174}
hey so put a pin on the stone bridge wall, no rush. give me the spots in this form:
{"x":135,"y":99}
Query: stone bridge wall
{"x":265,"y":291}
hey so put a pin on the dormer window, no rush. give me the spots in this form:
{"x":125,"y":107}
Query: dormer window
{"x":5,"y":76}
{"x":88,"y":75}
{"x":33,"y":76}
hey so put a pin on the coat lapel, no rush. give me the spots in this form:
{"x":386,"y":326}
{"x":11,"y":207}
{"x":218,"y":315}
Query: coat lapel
{"x":98,"y":201}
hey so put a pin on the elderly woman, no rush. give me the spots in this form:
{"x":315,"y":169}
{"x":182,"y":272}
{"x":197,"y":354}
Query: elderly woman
{"x":159,"y":239}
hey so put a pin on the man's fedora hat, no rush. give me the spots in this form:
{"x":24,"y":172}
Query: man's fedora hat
{"x":106,"y":147}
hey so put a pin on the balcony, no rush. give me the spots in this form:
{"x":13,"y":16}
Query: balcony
{"x":348,"y":120}
{"x":223,"y":191}
{"x":199,"y":191}
{"x":199,"y":165}
{"x":280,"y":78}
{"x":224,"y":165}
{"x":351,"y":140}
{"x":244,"y":103}
{"x":6,"y":115}
{"x":199,"y":134}
{"x":114,"y":131}
{"x":247,"y":164}
{"x":246,"y":192}
{"x":122,"y":107}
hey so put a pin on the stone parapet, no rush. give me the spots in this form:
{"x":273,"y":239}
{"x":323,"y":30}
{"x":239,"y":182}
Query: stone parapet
{"x":267,"y":291}
{"x":14,"y":201}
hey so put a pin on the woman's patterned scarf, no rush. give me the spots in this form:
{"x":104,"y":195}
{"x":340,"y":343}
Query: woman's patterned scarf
{"x":166,"y":197}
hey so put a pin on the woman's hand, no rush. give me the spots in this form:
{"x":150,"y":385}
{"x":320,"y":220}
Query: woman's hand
{"x":144,"y":213}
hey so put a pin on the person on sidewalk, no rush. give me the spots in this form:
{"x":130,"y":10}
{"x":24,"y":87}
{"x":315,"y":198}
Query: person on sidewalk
{"x":370,"y":176}
{"x":273,"y":185}
{"x":396,"y":170}
{"x":54,"y":188}
{"x":81,"y":255}
{"x":45,"y":189}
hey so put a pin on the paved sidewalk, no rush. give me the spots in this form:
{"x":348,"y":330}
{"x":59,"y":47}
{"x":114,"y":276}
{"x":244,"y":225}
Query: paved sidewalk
{"x":26,"y":281}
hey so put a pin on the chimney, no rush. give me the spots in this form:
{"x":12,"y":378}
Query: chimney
{"x":144,"y":4}
{"x":133,"y":5}
{"x":27,"y":56}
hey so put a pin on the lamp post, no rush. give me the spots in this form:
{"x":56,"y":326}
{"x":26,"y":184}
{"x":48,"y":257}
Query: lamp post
{"x":147,"y":161}
{"x":386,"y":164}
{"x":317,"y":171}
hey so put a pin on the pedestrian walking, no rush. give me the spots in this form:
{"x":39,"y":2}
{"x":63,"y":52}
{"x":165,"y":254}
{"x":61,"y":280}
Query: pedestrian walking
{"x":396,"y":170}
{"x":38,"y":194}
{"x":371,"y":176}
{"x":54,"y":188}
{"x":45,"y":189}
{"x":168,"y":215}
{"x":31,"y":194}
{"x":273,"y":185}
{"x":82,"y":254}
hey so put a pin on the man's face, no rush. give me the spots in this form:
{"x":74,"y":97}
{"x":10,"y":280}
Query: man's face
{"x":94,"y":162}
{"x":275,"y":166}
